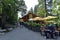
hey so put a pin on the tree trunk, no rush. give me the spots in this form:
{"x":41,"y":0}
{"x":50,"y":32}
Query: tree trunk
{"x":3,"y":21}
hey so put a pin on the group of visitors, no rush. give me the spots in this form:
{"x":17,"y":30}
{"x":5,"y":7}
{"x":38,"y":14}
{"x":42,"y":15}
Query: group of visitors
{"x":50,"y":30}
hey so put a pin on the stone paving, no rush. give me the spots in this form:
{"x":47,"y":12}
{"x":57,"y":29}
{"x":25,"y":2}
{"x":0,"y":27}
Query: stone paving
{"x":23,"y":34}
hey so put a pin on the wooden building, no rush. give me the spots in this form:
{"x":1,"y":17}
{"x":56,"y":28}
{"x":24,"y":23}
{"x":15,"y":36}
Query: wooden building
{"x":28,"y":16}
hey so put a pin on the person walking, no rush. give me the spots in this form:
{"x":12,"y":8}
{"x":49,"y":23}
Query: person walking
{"x":21,"y":24}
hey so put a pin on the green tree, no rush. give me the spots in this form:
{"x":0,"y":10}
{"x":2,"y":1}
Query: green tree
{"x":35,"y":8}
{"x":8,"y":10}
{"x":31,"y":10}
{"x":41,"y":8}
{"x":56,"y":7}
{"x":22,"y":7}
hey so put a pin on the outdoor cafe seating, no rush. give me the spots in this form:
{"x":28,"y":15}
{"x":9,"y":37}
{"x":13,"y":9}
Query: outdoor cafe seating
{"x":42,"y":29}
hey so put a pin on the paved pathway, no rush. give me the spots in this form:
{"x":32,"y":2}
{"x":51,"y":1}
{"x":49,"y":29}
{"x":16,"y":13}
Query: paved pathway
{"x":22,"y":34}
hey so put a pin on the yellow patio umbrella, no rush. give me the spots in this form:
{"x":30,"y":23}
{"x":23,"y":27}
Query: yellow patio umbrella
{"x":37,"y":18}
{"x":51,"y":21}
{"x":52,"y":16}
{"x":49,"y":17}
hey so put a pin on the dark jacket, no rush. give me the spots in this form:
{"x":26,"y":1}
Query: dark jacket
{"x":50,"y":28}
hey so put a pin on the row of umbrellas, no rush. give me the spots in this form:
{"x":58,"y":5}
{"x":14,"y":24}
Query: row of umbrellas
{"x":39,"y":18}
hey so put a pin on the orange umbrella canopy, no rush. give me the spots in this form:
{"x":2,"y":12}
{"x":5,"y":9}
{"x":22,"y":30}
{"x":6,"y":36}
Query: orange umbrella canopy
{"x":38,"y":18}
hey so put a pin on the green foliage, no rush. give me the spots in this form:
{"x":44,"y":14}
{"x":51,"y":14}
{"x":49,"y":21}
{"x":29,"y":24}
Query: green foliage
{"x":56,"y":8}
{"x":22,"y":7}
{"x":41,"y":8}
{"x":33,"y":24}
{"x":40,"y":12}
{"x":35,"y":8}
{"x":9,"y":9}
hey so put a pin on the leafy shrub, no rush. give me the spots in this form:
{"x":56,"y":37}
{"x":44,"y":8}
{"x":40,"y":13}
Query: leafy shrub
{"x":33,"y":24}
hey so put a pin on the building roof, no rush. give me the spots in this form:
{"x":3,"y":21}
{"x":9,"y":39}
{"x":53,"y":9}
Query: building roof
{"x":28,"y":14}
